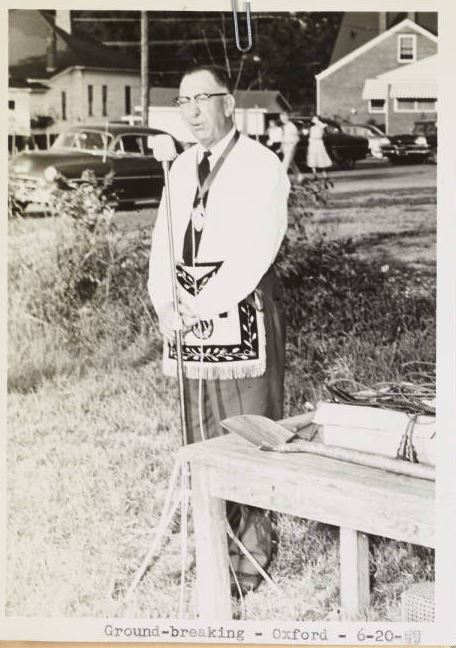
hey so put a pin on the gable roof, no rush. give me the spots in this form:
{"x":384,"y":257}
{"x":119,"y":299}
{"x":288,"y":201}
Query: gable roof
{"x":72,"y":50}
{"x":21,"y":84}
{"x":82,"y":50}
{"x":407,"y":24}
{"x":272,"y":101}
{"x":359,"y":27}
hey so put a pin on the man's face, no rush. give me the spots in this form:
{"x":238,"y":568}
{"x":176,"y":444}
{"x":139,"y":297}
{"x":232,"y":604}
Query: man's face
{"x":209,"y":120}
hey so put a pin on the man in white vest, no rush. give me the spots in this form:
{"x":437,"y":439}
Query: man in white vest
{"x":229,"y":210}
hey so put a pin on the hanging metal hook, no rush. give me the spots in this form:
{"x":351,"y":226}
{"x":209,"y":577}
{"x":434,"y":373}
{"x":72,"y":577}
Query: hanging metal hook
{"x":236,"y":27}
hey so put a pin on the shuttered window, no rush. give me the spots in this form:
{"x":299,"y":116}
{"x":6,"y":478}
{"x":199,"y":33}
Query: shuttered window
{"x":64,"y":105}
{"x":128,"y":100}
{"x":90,"y":100}
{"x":104,"y":100}
{"x":406,"y":48}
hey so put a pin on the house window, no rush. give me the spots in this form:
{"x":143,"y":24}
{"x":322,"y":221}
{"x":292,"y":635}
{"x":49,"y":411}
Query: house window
{"x":127,"y":100}
{"x":426,"y":105}
{"x":377,"y":105}
{"x":104,"y":100}
{"x":90,"y":100}
{"x":415,"y":105}
{"x":64,"y":105}
{"x":406,"y":48}
{"x":11,"y":104}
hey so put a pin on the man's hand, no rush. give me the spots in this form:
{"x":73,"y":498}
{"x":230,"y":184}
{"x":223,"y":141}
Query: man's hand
{"x":189,"y":318}
{"x":169,"y":321}
{"x":186,"y":307}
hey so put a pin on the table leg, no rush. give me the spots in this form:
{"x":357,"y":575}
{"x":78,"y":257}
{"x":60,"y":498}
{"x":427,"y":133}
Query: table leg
{"x":354,"y":572}
{"x":212,"y":564}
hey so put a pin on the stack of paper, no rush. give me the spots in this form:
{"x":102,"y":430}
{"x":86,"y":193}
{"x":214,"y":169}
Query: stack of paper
{"x":375,"y":430}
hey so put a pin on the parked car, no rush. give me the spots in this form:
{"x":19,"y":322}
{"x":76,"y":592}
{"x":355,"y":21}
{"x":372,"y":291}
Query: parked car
{"x":374,"y":136}
{"x":343,"y":149}
{"x":418,"y":146}
{"x":119,"y":150}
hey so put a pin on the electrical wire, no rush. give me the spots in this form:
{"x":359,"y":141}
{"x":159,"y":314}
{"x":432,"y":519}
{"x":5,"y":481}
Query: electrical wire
{"x":185,"y":478}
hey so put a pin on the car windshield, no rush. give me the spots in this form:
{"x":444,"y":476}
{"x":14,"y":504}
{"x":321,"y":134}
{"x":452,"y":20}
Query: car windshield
{"x":425,"y":128}
{"x":376,"y":131}
{"x":83,"y":140}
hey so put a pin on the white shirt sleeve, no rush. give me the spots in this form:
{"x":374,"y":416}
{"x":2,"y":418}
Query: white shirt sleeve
{"x":257,"y":243}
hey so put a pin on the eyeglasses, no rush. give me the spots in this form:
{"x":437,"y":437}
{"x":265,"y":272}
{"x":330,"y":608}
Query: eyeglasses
{"x":200,"y":98}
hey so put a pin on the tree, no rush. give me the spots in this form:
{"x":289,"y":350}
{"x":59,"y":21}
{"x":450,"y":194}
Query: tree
{"x":289,"y":48}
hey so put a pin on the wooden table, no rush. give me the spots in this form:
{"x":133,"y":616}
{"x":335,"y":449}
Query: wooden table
{"x":358,"y":499}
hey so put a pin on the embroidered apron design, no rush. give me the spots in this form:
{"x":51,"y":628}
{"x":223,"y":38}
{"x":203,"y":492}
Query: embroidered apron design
{"x":230,"y":345}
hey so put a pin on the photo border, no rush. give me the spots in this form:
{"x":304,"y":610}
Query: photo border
{"x":443,"y":631}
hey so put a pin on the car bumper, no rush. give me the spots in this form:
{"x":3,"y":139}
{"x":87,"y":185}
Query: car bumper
{"x":405,"y":151}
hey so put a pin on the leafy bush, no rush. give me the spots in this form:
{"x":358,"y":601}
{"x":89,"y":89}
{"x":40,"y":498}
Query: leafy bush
{"x":330,"y":289}
{"x":345,"y":314}
{"x":348,"y":317}
{"x":83,"y":248}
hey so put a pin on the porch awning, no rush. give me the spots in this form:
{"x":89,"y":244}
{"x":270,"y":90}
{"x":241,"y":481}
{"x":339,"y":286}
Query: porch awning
{"x":414,"y":89}
{"x":375,"y":89}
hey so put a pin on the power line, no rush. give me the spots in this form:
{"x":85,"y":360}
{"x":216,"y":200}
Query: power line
{"x":189,"y":41}
{"x":179,"y":19}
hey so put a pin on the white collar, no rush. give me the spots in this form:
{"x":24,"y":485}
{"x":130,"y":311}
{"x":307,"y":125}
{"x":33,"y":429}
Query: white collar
{"x":217,"y":149}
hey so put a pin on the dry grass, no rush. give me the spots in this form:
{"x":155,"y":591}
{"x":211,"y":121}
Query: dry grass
{"x":92,"y":440}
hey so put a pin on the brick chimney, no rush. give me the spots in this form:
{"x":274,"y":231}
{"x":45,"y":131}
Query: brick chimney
{"x":382,"y":23}
{"x":51,"y":53}
{"x":63,"y":19}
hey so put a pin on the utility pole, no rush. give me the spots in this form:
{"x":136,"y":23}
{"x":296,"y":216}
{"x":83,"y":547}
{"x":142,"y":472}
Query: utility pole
{"x":144,"y":67}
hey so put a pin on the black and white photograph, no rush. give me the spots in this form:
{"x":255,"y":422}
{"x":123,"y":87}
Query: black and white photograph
{"x":221,"y":314}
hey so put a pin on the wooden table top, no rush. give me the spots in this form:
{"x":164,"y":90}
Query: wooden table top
{"x":318,"y":488}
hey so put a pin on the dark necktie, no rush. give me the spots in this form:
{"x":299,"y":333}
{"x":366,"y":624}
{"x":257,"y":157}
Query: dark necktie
{"x":192,"y":235}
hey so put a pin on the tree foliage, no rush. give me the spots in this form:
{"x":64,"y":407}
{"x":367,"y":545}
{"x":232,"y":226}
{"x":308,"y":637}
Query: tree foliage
{"x":289,"y":48}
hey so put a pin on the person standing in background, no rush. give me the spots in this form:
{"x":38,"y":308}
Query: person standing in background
{"x":290,"y":139}
{"x":317,"y":155}
{"x":275,"y":137}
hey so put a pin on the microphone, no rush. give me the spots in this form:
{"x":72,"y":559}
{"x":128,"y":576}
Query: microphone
{"x":163,"y":147}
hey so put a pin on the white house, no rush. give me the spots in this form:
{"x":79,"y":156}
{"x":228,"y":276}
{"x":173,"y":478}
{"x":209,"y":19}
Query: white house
{"x":340,"y":86}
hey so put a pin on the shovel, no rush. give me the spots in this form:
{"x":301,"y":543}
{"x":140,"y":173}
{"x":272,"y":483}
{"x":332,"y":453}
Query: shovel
{"x":269,"y":436}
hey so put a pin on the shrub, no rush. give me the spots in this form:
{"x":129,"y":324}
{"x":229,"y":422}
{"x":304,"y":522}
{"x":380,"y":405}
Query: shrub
{"x":349,"y":317}
{"x":342,"y":311}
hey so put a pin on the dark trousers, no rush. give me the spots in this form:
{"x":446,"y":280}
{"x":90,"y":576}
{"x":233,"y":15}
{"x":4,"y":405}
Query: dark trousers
{"x":264,"y":396}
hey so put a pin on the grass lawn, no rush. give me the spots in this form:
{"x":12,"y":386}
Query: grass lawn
{"x":93,"y":431}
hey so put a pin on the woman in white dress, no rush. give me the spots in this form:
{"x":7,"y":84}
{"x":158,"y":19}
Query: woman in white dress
{"x":317,"y":156}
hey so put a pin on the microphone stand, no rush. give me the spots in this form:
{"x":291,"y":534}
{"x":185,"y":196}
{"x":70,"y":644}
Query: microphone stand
{"x":170,"y":508}
{"x":178,"y":339}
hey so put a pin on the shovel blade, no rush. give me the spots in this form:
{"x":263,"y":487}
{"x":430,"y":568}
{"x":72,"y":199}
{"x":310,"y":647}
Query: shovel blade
{"x":258,"y":430}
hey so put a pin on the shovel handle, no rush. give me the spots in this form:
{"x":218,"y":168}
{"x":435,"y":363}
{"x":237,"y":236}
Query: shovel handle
{"x":389,"y":464}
